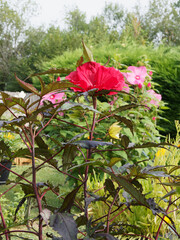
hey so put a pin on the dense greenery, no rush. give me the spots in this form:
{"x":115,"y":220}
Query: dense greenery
{"x":100,"y":132}
{"x":164,"y":61}
{"x":150,"y":37}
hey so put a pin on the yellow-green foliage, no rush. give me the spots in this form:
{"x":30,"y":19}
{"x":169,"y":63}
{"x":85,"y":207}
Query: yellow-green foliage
{"x":140,"y":216}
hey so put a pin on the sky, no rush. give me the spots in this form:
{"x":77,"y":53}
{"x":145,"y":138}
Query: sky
{"x":53,"y":11}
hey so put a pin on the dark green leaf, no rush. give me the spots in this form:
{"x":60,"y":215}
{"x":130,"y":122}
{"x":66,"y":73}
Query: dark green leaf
{"x":125,"y":107}
{"x":69,"y":200}
{"x":109,"y":186}
{"x":69,"y":154}
{"x":88,"y":144}
{"x":81,"y":221}
{"x":65,"y":225}
{"x":52,"y":71}
{"x":125,"y":141}
{"x":128,"y":187}
{"x":126,"y":121}
{"x":70,"y":105}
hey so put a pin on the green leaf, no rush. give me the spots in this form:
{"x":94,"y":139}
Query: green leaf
{"x":27,"y":86}
{"x":65,"y":225}
{"x":87,"y":53}
{"x":69,"y":154}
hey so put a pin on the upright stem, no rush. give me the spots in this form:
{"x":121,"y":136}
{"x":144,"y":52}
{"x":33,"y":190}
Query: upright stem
{"x":38,"y":198}
{"x":89,"y":150}
{"x":4,"y":224}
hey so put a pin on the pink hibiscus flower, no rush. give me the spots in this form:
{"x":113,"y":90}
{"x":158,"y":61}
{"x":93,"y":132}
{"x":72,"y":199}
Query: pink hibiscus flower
{"x":137,"y":75}
{"x":93,"y":75}
{"x":155,"y":97}
{"x":53,"y":97}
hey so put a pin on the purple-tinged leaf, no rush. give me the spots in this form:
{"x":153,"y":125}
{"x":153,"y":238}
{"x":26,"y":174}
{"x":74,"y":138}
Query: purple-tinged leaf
{"x":65,"y":225}
{"x":69,"y":200}
{"x":126,"y":121}
{"x":125,"y":141}
{"x":128,"y":187}
{"x":27,"y":86}
{"x":81,"y":221}
{"x":109,"y":186}
{"x":56,"y":86}
{"x":88,"y":144}
{"x":52,"y":71}
{"x":172,"y":192}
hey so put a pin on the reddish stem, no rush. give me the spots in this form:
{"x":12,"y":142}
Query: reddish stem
{"x":38,"y":199}
{"x":89,"y":151}
{"x":4,"y":223}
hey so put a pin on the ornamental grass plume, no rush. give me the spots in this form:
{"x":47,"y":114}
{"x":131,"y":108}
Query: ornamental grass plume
{"x":92,"y":75}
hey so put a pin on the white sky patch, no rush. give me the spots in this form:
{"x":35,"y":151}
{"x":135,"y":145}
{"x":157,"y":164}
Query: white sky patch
{"x":53,"y":11}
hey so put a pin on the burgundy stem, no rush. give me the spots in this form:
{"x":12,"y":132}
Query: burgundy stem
{"x":38,"y":198}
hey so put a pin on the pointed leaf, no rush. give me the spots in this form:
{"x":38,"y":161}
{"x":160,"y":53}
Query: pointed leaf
{"x":52,"y":71}
{"x":56,"y":86}
{"x":88,"y":144}
{"x":128,"y":187}
{"x":126,"y":121}
{"x":69,"y":200}
{"x":27,"y":86}
{"x":70,"y":105}
{"x":87,"y":53}
{"x":172,"y":192}
{"x":109,"y":186}
{"x":125,"y":107}
{"x":65,"y":225}
{"x":69,"y":154}
{"x":125,"y":141}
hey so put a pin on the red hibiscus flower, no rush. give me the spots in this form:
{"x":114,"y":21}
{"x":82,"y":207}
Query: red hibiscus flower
{"x":93,"y":75}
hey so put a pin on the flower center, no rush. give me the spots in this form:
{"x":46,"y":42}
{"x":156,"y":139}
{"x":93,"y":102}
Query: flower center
{"x":52,"y":96}
{"x":137,"y":77}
